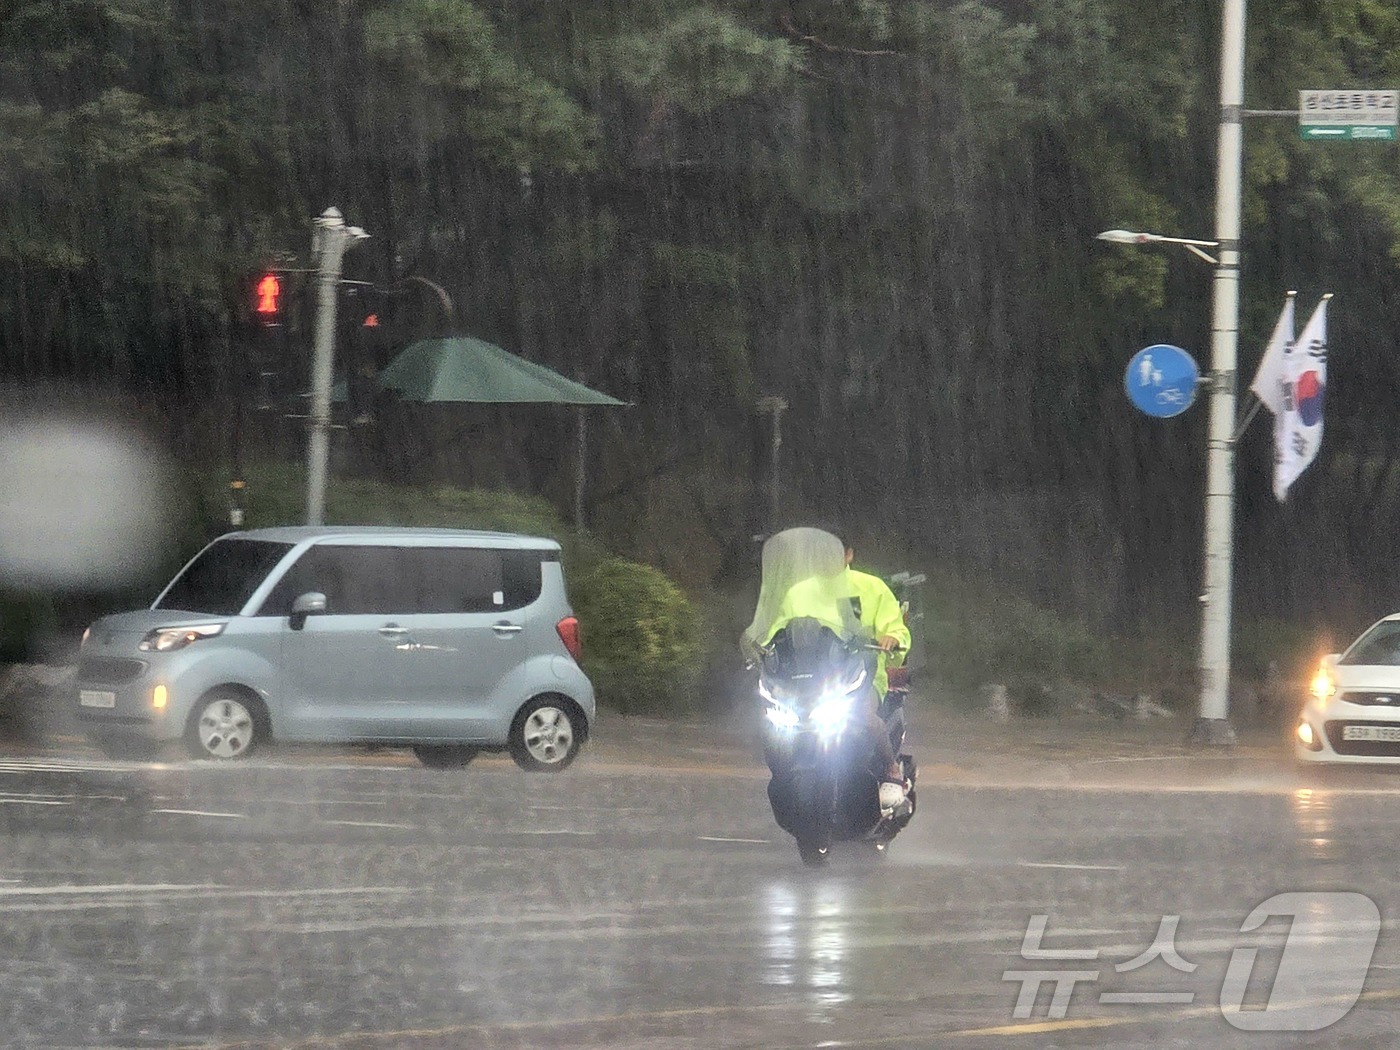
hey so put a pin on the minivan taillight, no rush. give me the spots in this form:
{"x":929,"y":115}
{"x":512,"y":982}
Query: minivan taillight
{"x":568,"y":634}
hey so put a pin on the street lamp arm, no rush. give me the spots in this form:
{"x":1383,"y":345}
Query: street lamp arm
{"x":1134,"y":237}
{"x":1188,"y":241}
{"x":1196,"y":251}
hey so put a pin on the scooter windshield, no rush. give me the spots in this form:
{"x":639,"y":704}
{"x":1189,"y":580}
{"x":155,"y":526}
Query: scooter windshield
{"x":804,"y":576}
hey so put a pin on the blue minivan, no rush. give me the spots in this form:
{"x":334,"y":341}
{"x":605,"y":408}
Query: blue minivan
{"x":446,"y":641}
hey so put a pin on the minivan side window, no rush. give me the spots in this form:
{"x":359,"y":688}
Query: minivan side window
{"x":357,"y":581}
{"x":403,"y":580}
{"x":522,"y":577}
{"x":467,"y":579}
{"x":455,"y":579}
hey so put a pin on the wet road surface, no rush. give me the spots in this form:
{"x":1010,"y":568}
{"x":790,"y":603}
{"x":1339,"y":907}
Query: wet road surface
{"x":330,"y":899}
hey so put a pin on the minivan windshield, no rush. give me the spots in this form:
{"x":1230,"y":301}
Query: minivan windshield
{"x":1378,"y":647}
{"x":224,"y":576}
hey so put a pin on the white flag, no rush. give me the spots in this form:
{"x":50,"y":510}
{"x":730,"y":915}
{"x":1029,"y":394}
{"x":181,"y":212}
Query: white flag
{"x":1298,"y":429}
{"x":1269,"y":380}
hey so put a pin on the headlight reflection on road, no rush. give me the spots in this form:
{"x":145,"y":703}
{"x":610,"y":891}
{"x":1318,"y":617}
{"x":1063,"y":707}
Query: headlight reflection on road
{"x":807,"y":930}
{"x":1312,"y":812}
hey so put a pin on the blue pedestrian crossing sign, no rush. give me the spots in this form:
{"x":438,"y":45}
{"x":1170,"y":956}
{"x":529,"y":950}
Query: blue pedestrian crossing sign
{"x":1161,"y":380}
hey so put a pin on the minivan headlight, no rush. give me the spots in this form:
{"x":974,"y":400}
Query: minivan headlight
{"x":168,"y":639}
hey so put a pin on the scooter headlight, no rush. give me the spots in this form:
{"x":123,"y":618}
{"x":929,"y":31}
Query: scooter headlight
{"x":830,"y":716}
{"x":781,"y":716}
{"x":778,"y":713}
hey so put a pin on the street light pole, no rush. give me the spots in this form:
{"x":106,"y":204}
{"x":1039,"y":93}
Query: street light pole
{"x":1212,"y":726}
{"x":332,"y":238}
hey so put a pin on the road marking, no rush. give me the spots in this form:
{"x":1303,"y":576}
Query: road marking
{"x":716,"y":838}
{"x":369,"y":824}
{"x":32,"y":802}
{"x":51,"y":767}
{"x":329,"y":801}
{"x":202,"y":813}
{"x":555,"y":831}
{"x":1079,"y":1023}
{"x":398,"y":1036}
{"x":1070,"y":867}
{"x":115,"y":887}
{"x":1154,"y":758}
{"x":613,"y":766}
{"x":199,"y":894}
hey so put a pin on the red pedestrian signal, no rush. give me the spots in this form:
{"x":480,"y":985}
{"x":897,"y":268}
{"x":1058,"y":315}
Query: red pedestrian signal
{"x":269,"y":296}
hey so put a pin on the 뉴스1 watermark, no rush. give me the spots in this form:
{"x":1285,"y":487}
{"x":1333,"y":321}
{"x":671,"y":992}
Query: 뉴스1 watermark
{"x":1326,"y":956}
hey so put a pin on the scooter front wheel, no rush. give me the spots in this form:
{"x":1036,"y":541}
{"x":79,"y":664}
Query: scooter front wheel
{"x":814,"y":854}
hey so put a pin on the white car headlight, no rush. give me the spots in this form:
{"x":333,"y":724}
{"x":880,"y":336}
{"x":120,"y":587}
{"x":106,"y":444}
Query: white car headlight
{"x":168,"y":639}
{"x":1323,"y":684}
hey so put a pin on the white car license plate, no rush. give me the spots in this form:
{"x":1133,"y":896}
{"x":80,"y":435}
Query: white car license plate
{"x":96,"y":698}
{"x":1390,"y":734}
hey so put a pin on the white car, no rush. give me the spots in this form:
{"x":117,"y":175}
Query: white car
{"x":1353,"y":714}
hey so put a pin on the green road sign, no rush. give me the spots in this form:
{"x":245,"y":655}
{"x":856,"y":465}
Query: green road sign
{"x":1374,"y":132}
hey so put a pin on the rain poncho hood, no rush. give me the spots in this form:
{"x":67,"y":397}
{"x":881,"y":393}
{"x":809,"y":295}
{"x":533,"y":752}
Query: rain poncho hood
{"x":804,"y":575}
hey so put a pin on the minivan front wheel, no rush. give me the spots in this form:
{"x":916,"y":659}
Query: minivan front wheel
{"x":223,"y":725}
{"x":546,"y":735}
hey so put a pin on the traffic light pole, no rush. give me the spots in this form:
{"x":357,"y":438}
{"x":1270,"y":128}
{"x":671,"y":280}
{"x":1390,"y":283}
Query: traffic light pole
{"x":332,"y":238}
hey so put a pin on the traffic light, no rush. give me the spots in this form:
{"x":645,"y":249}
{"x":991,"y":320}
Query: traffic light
{"x":267,"y":299}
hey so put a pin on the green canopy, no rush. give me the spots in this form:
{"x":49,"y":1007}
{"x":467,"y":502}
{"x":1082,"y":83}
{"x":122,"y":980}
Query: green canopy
{"x":466,"y":369}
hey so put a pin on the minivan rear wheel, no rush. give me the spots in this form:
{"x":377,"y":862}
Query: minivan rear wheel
{"x":444,"y":756}
{"x":546,"y":735}
{"x":224,"y":725}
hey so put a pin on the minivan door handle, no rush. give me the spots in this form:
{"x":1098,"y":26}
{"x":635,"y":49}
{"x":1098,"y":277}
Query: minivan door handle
{"x":507,"y":628}
{"x":392,"y":630}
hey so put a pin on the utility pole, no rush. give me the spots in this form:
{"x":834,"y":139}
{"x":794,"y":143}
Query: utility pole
{"x":329,"y":243}
{"x":1213,"y":725}
{"x":776,"y":406}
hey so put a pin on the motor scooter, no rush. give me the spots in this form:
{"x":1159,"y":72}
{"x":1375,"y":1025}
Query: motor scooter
{"x":825,"y":773}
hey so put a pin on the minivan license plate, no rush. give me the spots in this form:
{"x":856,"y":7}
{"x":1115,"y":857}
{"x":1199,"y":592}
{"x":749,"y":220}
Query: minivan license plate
{"x":1390,"y":734}
{"x":96,"y":698}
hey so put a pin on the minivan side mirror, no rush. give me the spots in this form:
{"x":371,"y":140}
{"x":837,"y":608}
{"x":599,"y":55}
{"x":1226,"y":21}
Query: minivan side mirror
{"x":304,"y":606}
